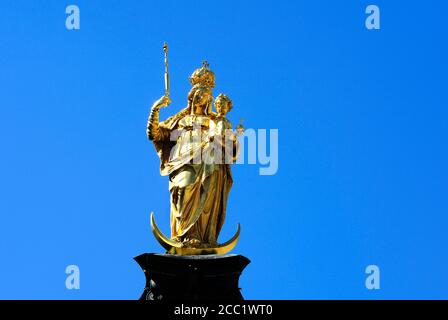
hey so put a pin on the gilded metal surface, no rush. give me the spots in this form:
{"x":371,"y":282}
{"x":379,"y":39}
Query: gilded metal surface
{"x":167,"y":76}
{"x":200,"y":178}
{"x":175,"y":247}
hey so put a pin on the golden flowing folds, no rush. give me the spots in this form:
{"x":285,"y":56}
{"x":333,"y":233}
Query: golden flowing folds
{"x":194,"y":147}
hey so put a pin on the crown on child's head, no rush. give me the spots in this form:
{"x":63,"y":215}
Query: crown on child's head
{"x":226,"y":99}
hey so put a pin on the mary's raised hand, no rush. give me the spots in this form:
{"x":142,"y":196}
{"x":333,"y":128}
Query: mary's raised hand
{"x":162,"y":102}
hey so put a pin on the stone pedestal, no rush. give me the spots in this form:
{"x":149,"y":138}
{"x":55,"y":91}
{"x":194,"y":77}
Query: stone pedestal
{"x":204,"y":277}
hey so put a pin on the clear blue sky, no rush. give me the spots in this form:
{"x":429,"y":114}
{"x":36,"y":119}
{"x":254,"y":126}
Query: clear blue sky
{"x":362,"y":120}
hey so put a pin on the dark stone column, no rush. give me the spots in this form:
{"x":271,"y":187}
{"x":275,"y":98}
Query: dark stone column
{"x":204,"y":277}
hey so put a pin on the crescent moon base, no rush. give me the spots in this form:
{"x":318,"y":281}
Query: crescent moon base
{"x":174,"y":247}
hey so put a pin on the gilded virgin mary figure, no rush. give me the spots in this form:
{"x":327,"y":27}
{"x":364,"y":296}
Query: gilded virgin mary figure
{"x":199,"y":179}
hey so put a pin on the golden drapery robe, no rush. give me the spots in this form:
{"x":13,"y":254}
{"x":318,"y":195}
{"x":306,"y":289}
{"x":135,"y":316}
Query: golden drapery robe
{"x":199,"y":186}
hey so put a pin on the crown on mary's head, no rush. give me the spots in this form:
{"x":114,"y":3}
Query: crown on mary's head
{"x":203,"y":76}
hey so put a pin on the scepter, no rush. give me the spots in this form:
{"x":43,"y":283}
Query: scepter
{"x":167,"y":77}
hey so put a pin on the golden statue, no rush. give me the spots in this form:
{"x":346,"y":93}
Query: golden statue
{"x":196,"y":147}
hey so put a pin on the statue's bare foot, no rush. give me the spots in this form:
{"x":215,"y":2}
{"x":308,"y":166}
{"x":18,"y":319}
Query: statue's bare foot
{"x":192,"y":242}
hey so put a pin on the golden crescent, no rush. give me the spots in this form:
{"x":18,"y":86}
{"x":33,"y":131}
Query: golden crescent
{"x":174,"y":247}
